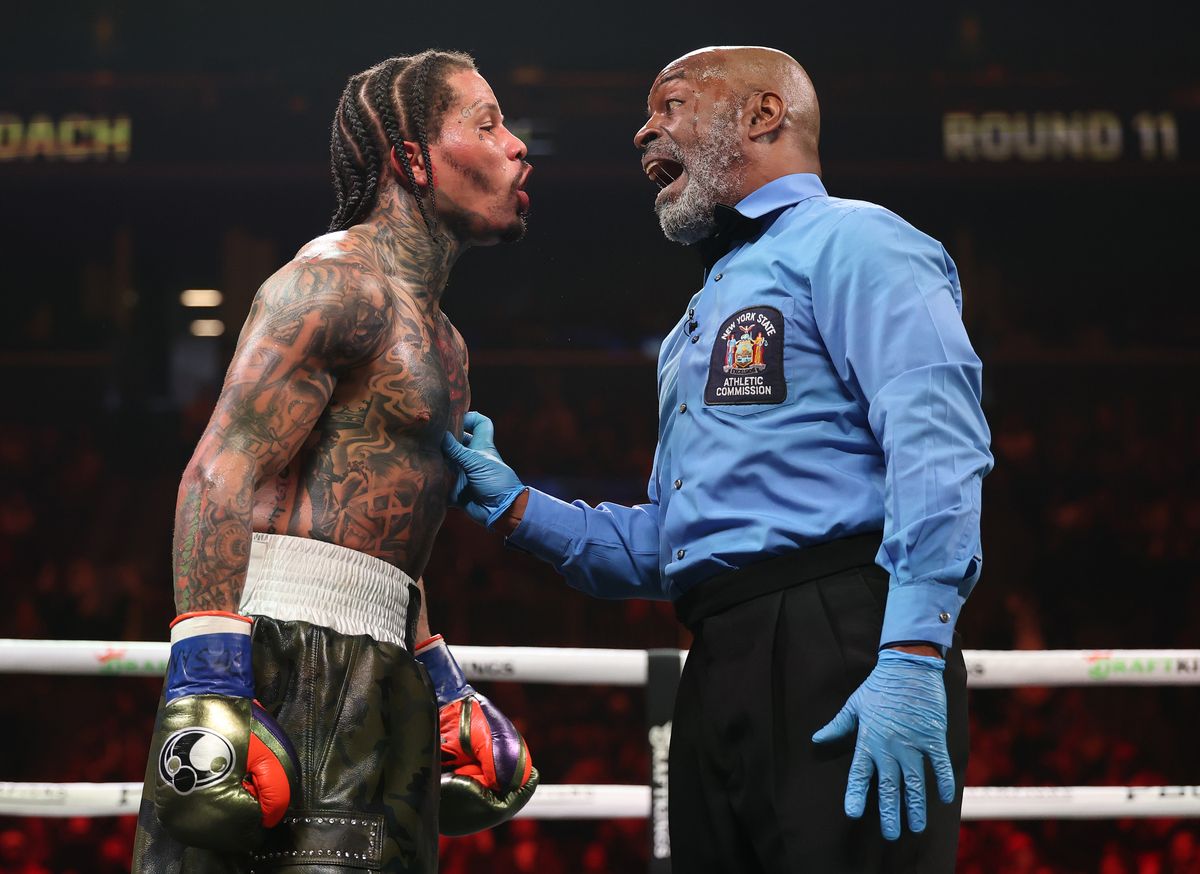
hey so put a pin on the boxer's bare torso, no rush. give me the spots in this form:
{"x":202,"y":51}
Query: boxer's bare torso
{"x":345,"y":377}
{"x":371,"y":475}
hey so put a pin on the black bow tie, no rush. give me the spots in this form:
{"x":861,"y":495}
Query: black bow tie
{"x":731,"y":228}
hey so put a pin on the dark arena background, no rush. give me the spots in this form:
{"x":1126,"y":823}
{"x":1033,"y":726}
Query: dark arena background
{"x":148,"y":149}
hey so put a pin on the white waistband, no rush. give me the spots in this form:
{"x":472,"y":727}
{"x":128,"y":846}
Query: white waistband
{"x":296,"y":579}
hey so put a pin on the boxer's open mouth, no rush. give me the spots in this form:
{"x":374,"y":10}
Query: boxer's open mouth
{"x":522,"y":195}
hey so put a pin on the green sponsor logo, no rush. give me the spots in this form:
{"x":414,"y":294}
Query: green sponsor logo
{"x":132,"y":667}
{"x":1107,"y":668}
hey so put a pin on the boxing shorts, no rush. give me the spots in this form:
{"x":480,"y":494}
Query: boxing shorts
{"x":332,"y":643}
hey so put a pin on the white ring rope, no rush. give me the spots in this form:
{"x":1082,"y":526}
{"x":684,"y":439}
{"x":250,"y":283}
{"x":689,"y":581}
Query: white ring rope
{"x":633,"y":802}
{"x":122,"y":799}
{"x":627,"y":667}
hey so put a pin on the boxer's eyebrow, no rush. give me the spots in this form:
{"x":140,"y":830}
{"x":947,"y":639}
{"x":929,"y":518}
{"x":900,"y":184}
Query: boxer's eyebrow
{"x":467,"y":110}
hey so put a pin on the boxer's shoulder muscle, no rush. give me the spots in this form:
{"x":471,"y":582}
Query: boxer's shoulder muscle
{"x":329,"y":307}
{"x":309,"y":322}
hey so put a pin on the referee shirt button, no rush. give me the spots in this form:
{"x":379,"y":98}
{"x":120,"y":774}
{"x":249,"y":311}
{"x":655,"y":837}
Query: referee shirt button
{"x":680,"y":553}
{"x":683,"y":408}
{"x":943,"y":617}
{"x":695,"y":338}
{"x":678,"y":483}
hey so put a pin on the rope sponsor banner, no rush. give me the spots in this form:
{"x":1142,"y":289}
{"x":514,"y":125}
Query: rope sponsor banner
{"x":1082,"y":667}
{"x":662,"y":681}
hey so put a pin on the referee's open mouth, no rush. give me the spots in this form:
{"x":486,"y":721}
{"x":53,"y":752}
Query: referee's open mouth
{"x":667,"y":173}
{"x":663,"y":172}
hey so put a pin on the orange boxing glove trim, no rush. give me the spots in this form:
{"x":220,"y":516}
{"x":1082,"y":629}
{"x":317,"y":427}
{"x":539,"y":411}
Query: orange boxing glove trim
{"x":426,"y":643}
{"x":469,"y":747}
{"x":267,"y":780}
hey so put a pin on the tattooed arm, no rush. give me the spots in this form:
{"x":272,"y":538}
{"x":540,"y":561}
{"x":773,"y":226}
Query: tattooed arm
{"x":308,"y":321}
{"x":423,"y":632}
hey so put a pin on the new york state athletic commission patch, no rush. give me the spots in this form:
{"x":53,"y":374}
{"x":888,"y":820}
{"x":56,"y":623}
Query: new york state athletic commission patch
{"x":746,"y":366}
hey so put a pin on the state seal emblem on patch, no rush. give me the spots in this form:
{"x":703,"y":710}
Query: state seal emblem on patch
{"x":746,"y":366}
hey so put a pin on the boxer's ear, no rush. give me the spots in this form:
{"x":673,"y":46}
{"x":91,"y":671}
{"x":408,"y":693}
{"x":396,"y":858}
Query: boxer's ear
{"x":411,"y":151}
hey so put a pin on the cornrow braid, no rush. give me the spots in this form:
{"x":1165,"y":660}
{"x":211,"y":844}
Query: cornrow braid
{"x":354,"y":159}
{"x":419,"y":92}
{"x":389,"y":104}
{"x":347,"y":172}
{"x":399,"y":99}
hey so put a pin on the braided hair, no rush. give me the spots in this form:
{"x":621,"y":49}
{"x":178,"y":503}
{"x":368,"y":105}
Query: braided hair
{"x":402,"y":98}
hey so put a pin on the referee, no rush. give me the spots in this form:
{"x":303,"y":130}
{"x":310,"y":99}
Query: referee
{"x":814,"y":504}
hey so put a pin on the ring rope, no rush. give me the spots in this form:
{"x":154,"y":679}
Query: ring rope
{"x":598,"y":801}
{"x":628,"y":667}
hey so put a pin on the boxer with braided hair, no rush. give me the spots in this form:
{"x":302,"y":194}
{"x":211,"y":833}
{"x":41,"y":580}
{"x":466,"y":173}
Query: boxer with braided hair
{"x":300,"y":720}
{"x":400,"y":100}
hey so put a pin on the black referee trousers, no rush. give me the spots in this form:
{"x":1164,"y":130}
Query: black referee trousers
{"x":750,"y":793}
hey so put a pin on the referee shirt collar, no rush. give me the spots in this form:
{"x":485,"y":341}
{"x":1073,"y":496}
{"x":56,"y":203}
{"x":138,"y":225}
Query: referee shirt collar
{"x":779,"y":193}
{"x":744,"y":221}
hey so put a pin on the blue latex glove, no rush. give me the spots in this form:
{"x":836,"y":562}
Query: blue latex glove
{"x":486,"y":486}
{"x":900,"y":711}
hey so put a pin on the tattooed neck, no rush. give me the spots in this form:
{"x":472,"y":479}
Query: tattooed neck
{"x":400,"y":242}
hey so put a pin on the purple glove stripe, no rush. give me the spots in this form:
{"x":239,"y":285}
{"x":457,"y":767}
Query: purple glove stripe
{"x":508,"y":749}
{"x":268,"y":724}
{"x":211,"y":664}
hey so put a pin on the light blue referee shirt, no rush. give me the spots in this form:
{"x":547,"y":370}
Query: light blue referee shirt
{"x":819,"y":385}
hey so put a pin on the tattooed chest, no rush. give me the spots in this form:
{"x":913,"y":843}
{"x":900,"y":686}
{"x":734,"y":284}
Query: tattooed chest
{"x":372,"y":476}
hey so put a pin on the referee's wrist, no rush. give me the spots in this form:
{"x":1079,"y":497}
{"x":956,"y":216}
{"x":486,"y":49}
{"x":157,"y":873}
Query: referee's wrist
{"x":916,"y":647}
{"x":508,"y":522}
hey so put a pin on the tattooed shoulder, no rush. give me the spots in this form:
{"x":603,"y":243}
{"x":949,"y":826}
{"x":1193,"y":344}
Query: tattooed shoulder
{"x":337,"y":305}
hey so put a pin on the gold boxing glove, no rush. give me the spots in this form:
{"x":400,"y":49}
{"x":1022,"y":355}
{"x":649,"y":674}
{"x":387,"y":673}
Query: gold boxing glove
{"x":225,"y":768}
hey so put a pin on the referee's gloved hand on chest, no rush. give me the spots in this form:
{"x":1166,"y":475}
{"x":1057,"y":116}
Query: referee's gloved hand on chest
{"x":900,"y":711}
{"x":486,"y":487}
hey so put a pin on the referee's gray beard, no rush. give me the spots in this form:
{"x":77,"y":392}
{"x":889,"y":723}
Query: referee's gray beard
{"x":713,"y":177}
